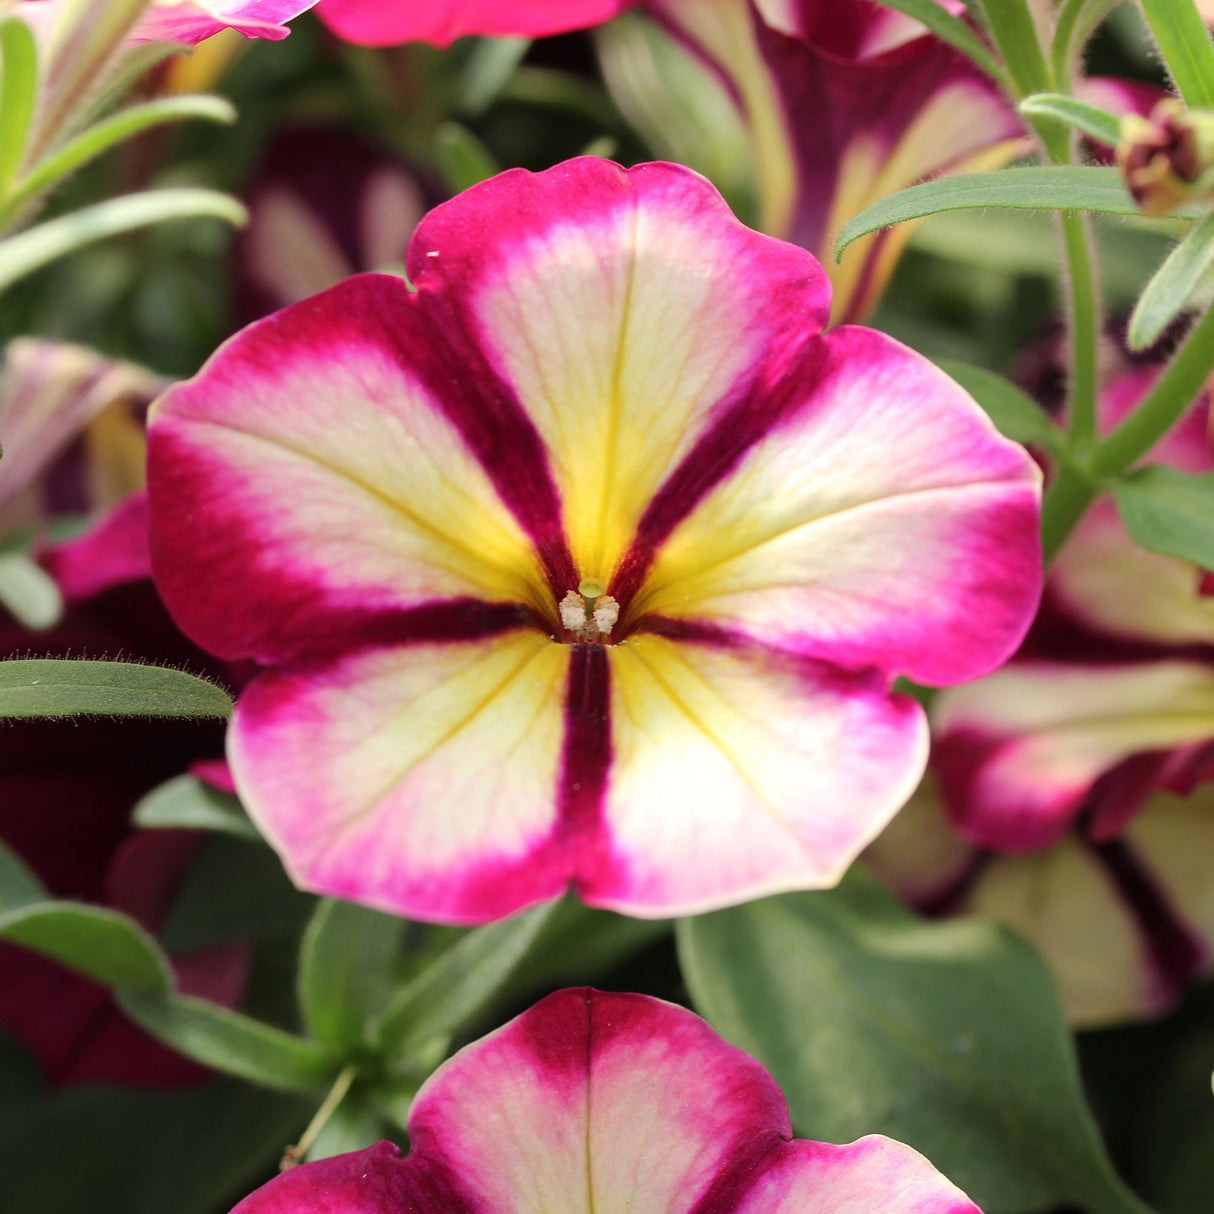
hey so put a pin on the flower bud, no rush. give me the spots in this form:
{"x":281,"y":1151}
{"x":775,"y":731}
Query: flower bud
{"x":1167,"y":159}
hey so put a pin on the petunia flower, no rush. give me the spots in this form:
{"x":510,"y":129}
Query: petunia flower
{"x":606,"y":1102}
{"x":589,"y":560}
{"x":441,"y":22}
{"x":1072,"y":790}
{"x":845,"y":101}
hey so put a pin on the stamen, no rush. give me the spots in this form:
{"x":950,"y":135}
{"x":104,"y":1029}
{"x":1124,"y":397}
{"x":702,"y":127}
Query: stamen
{"x":587,"y":612}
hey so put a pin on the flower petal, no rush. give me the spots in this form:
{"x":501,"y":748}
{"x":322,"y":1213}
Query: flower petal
{"x":1019,"y":752}
{"x":883,"y":523}
{"x":310,"y":469}
{"x":421,"y":778}
{"x":625,"y":309}
{"x":190,"y":21}
{"x":738,"y":774}
{"x":390,"y":22}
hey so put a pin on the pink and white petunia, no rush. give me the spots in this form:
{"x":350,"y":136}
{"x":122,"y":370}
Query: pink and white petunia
{"x":588,"y":561}
{"x":845,"y":102}
{"x":1072,"y":789}
{"x":609,"y":1103}
{"x":441,"y":22}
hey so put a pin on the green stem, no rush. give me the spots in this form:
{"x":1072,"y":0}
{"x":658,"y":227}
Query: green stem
{"x":1069,"y":495}
{"x":1084,"y":328}
{"x":1163,"y":406}
{"x":1076,"y":21}
{"x":329,"y":1106}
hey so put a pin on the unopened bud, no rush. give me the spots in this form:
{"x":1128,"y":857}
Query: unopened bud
{"x":1168,"y":159}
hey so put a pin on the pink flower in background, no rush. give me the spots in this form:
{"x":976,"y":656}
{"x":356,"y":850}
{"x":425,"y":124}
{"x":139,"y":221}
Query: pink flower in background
{"x":845,"y":102}
{"x":1074,"y":793}
{"x":593,"y":1101}
{"x":591,"y":560}
{"x":440,"y":22}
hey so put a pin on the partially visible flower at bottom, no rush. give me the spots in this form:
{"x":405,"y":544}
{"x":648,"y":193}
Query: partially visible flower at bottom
{"x":608,"y":1103}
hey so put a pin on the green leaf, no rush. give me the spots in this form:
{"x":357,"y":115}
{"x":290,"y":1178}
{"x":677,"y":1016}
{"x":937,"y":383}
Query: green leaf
{"x":1183,"y":274}
{"x":1052,"y":188}
{"x":346,"y":965}
{"x":186,"y":803}
{"x":463,"y":159}
{"x":231,"y":1042}
{"x":108,"y":134}
{"x":18,"y":886}
{"x":353,"y":1125}
{"x":101,"y":944}
{"x":1101,"y":125}
{"x":952,"y":30}
{"x":1170,"y":512}
{"x":108,"y":1150}
{"x":29,"y":592}
{"x":64,"y":687}
{"x":1074,"y":25}
{"x":18,"y":93}
{"x":1185,"y":45}
{"x":30,"y":250}
{"x":1015,"y":36}
{"x":460,"y":983}
{"x":490,"y":65}
{"x":1016,"y":414}
{"x":948,"y":1036}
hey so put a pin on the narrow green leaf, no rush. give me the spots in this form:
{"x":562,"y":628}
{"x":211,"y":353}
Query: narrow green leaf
{"x":18,"y":886}
{"x":1016,"y":414}
{"x":32,"y":249}
{"x":346,"y":965}
{"x":353,"y":1125}
{"x":1074,"y":25}
{"x":460,"y":983}
{"x":18,"y":92}
{"x":64,"y":687}
{"x":186,"y":803}
{"x":99,"y":943}
{"x":492,"y":62}
{"x":1049,"y":188}
{"x":1185,"y":271}
{"x":109,"y":133}
{"x":1184,"y":43}
{"x":952,"y":30}
{"x":1101,"y":125}
{"x":29,"y":592}
{"x":463,"y":159}
{"x":1169,"y":511}
{"x":1015,"y":36}
{"x":231,"y":1042}
{"x":947,"y":1035}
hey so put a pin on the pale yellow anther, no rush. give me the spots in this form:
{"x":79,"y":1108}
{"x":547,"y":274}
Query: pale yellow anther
{"x":587,"y":612}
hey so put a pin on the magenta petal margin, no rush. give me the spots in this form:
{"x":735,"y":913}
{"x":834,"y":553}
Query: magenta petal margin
{"x":389,"y":497}
{"x":680,"y":1121}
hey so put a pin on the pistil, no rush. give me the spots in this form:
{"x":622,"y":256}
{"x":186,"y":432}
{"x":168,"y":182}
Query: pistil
{"x":588,"y":613}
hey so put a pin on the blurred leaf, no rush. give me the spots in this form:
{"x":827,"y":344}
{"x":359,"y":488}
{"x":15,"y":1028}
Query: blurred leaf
{"x":462,"y":159}
{"x":123,"y":1151}
{"x":952,"y":30}
{"x":1052,"y":188}
{"x":29,"y":250}
{"x":1184,"y":43}
{"x":235,"y":890}
{"x":20,"y":1082}
{"x":18,"y":886}
{"x":354,"y":1124}
{"x":492,"y":62}
{"x":186,"y":803}
{"x":1073,"y":26}
{"x":18,"y":93}
{"x":1016,"y":38}
{"x":29,"y":592}
{"x":1016,"y":414}
{"x":65,"y":687}
{"x":99,"y":943}
{"x":1090,"y":119}
{"x":1169,"y":511}
{"x":1185,"y":271}
{"x":459,"y":983}
{"x":347,"y":962}
{"x":948,"y":1036}
{"x":231,"y":1042}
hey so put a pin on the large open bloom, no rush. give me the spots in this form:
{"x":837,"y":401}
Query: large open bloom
{"x":609,"y":1103}
{"x":390,"y":22}
{"x":846,"y":101}
{"x":1074,"y":784}
{"x":591,"y":559}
